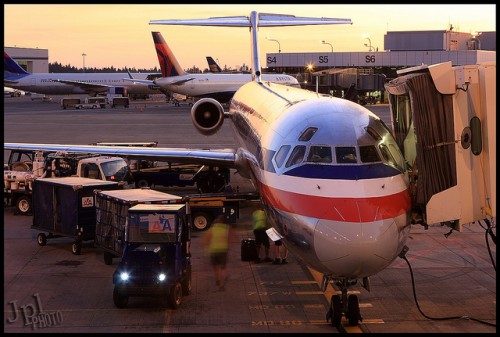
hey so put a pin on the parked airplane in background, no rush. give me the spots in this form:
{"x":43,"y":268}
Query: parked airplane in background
{"x":219,"y":86}
{"x":329,"y":172}
{"x":16,"y":77}
{"x":213,"y":66}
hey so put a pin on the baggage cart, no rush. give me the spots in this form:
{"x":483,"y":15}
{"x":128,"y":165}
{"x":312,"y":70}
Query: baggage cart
{"x":65,"y":207}
{"x":156,"y":259}
{"x":111,"y":214}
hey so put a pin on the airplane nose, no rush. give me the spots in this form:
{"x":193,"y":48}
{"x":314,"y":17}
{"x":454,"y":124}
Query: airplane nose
{"x":358,"y":250}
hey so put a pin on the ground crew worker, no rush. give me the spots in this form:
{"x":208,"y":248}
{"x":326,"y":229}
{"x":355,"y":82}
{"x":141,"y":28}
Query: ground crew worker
{"x":259,"y":230}
{"x":216,"y":241}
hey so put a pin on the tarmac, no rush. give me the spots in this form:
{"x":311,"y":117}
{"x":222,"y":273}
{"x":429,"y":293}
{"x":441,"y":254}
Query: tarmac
{"x":48,"y":289}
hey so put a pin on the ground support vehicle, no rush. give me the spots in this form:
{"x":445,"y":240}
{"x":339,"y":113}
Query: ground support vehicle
{"x":87,"y":106}
{"x":148,"y":173}
{"x":26,"y":166}
{"x":101,"y":101}
{"x":116,"y":101}
{"x":204,"y":208}
{"x":70,"y":102}
{"x":156,"y":259}
{"x":208,"y":179}
{"x":65,"y":207}
{"x":111,"y":215}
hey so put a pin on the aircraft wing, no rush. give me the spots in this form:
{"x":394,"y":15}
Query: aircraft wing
{"x":86,"y":86}
{"x":174,"y":81}
{"x":219,"y":157}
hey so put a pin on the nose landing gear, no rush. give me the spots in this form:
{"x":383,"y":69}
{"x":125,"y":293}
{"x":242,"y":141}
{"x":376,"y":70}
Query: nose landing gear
{"x":343,"y":305}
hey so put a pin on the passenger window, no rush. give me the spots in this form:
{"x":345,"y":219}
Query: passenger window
{"x":297,"y":155}
{"x":280,"y":157}
{"x":346,"y":154}
{"x":320,"y":154}
{"x":368,"y":154}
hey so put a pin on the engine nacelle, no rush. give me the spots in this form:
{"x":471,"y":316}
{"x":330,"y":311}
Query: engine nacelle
{"x":207,"y":115}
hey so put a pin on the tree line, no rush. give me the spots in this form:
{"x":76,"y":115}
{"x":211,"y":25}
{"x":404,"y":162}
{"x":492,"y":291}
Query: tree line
{"x":57,"y":67}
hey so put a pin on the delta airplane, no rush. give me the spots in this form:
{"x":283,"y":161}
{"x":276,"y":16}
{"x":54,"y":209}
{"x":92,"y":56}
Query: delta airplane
{"x":72,"y":83}
{"x":219,"y":86}
{"x":213,"y":66}
{"x":328,"y":170}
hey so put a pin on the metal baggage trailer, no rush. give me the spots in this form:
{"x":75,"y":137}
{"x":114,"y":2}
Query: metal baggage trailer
{"x":65,"y":207}
{"x":111,"y":215}
{"x":156,"y":258}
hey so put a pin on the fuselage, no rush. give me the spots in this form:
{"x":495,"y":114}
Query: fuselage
{"x":329,"y":173}
{"x":219,"y":86}
{"x":93,"y":82}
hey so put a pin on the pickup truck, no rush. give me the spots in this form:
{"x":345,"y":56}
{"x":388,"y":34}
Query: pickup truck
{"x":26,"y":166}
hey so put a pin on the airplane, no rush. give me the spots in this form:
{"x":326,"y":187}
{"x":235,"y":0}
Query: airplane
{"x":219,"y":86}
{"x":16,"y":77}
{"x":213,"y":66}
{"x":332,"y":178}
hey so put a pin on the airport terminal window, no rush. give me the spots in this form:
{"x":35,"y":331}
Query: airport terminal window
{"x":345,"y":154}
{"x":320,"y":154}
{"x":297,"y":155}
{"x":368,"y":154}
{"x":307,"y":134}
{"x":280,"y":157}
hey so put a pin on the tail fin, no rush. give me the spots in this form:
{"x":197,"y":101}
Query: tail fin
{"x":254,"y":21}
{"x":168,"y":63}
{"x":213,"y":66}
{"x":10,"y":67}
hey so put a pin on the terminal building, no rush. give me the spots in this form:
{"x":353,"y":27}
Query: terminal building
{"x":33,"y":60}
{"x":335,"y":72}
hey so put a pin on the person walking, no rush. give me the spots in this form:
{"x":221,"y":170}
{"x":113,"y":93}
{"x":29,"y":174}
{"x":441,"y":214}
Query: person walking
{"x":259,"y":230}
{"x":216,"y":241}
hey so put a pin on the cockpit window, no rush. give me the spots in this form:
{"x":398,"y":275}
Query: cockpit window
{"x":280,"y":156}
{"x":297,"y":155}
{"x":368,"y":154}
{"x":320,"y":154}
{"x":307,"y":134}
{"x":391,"y":155}
{"x":345,"y":154}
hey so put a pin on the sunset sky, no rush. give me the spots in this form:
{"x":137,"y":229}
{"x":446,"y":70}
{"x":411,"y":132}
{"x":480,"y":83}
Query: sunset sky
{"x":120,"y":35}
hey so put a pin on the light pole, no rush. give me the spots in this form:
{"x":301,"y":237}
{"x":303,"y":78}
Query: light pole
{"x":83,"y":55}
{"x":369,"y":44}
{"x":324,"y":42}
{"x":279,"y":46}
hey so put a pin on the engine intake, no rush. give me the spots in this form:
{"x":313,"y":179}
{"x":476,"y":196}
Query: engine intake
{"x":207,"y":115}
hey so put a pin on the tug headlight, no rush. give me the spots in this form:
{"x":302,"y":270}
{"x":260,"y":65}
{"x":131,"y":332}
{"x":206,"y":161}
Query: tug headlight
{"x":124,"y":276}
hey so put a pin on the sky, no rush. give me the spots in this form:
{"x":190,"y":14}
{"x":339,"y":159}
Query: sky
{"x":119,"y":35}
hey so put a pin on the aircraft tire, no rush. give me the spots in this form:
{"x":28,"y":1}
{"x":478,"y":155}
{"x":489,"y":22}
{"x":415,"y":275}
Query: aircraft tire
{"x":336,"y":310}
{"x":353,"y":307}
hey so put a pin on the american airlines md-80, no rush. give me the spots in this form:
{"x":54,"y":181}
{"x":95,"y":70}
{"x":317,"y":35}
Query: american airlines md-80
{"x":328,"y":171}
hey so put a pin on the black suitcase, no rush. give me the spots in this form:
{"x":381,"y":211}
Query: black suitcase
{"x":248,"y":250}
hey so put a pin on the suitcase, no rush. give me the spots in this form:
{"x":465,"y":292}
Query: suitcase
{"x":248,"y":250}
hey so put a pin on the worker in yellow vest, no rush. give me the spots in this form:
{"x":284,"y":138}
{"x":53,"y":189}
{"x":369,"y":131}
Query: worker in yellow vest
{"x":259,"y":230}
{"x":216,"y":242}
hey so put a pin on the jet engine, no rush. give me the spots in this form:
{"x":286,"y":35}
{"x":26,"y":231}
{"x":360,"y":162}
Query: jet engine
{"x":207,"y":115}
